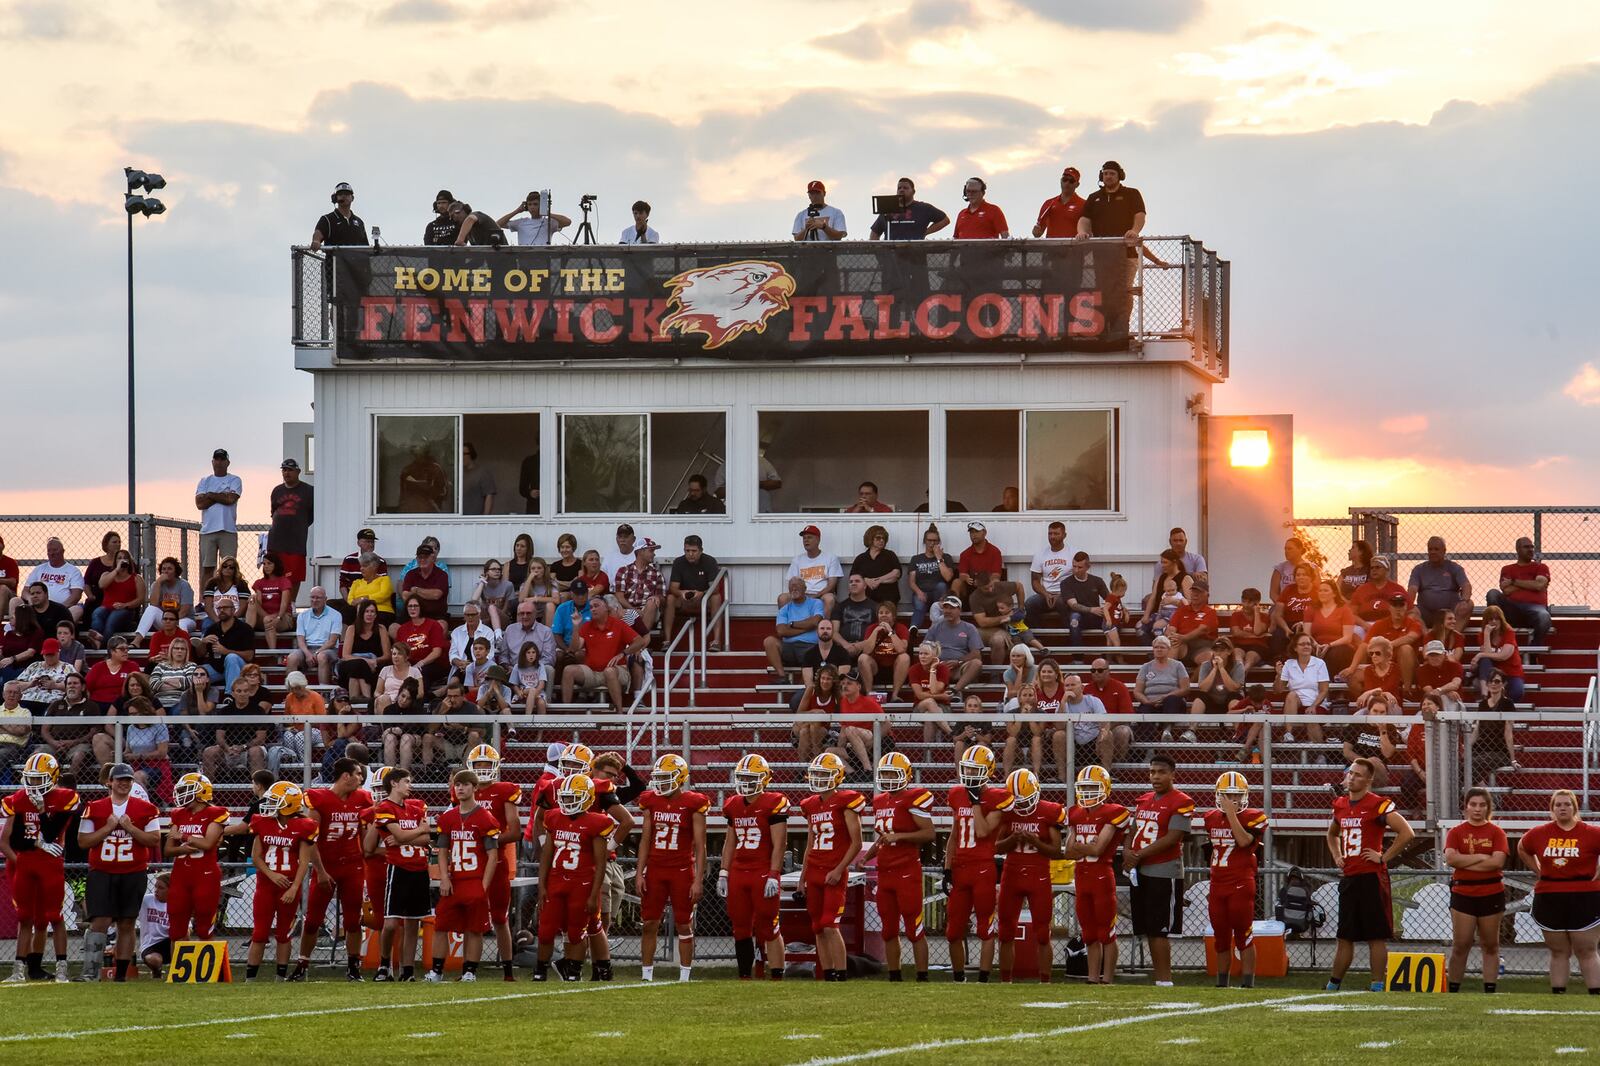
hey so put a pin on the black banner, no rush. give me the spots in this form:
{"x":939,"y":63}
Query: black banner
{"x":737,"y":302}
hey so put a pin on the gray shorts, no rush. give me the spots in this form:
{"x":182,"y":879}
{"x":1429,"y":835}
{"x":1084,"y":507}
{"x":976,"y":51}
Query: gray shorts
{"x":613,"y":889}
{"x":214,"y":547}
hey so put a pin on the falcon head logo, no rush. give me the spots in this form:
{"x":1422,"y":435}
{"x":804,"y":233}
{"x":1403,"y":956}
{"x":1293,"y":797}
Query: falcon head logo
{"x":724,"y":302}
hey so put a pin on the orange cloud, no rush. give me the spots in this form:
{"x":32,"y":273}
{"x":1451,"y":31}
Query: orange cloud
{"x":1329,"y":479}
{"x":1585,"y":386}
{"x":173,"y":498}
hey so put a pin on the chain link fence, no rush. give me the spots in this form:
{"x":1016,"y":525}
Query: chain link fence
{"x":147,"y":537}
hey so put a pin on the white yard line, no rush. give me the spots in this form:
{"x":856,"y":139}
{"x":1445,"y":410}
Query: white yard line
{"x":1046,"y":1034}
{"x":79,"y":1034}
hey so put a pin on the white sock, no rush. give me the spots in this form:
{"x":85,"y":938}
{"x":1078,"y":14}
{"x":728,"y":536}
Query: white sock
{"x":647,"y":973}
{"x":683,"y":972}
{"x":1163,"y":984}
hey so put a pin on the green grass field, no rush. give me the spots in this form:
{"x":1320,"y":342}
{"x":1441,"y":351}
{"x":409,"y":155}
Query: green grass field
{"x":719,"y":1020}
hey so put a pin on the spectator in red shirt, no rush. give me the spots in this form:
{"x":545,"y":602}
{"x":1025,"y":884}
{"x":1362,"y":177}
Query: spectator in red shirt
{"x":1116,"y":698}
{"x":10,"y":579}
{"x":429,"y":582}
{"x":1499,"y":651}
{"x":1058,"y":216}
{"x":1290,"y":607}
{"x":1333,"y":624}
{"x":1249,"y":626}
{"x":426,"y":642}
{"x":106,"y":678}
{"x":602,"y":644}
{"x":858,"y":710}
{"x":1403,"y":630}
{"x":1524,"y":592}
{"x":867,"y":501}
{"x":1194,"y":626}
{"x":1378,"y":681}
{"x":1440,"y":677}
{"x":1371,"y":598}
{"x":981,"y":558}
{"x":272,"y":607}
{"x":980,"y":220}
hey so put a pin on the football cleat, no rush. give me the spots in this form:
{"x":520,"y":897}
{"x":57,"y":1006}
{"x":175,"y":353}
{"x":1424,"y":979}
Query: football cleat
{"x":282,"y":800}
{"x":1024,"y":789}
{"x":380,"y":783}
{"x":1093,"y":785}
{"x":39,"y":776}
{"x":825,"y":773}
{"x":1234,"y":785}
{"x":484,"y":761}
{"x":977,"y":766}
{"x":191,"y":787}
{"x":894,"y":772}
{"x":751,"y":775}
{"x":433,"y":978}
{"x":670,"y":775}
{"x":575,"y":795}
{"x":468,"y":978}
{"x":575,"y":759}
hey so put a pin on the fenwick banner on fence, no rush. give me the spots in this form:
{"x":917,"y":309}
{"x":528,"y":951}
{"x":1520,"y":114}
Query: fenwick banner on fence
{"x":745,"y":302}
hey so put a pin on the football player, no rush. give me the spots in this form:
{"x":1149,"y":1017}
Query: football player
{"x":1153,"y":858}
{"x":672,"y":861}
{"x":283,"y":851}
{"x":501,"y":799}
{"x":117,"y":832}
{"x":752,"y":865}
{"x":571,"y":861}
{"x":1233,"y":830}
{"x":902,"y":819}
{"x":1030,"y":836}
{"x":374,"y":858}
{"x":195,"y":830}
{"x":337,"y":810}
{"x":401,"y":821}
{"x":468,"y":855}
{"x":1094,"y":824}
{"x":969,"y":873}
{"x":833,"y":840}
{"x":1361,"y":819}
{"x":616,"y":785}
{"x":36,"y":818}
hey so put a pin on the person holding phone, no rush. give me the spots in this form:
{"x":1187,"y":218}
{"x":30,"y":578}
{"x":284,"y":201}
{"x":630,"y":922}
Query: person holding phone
{"x":540,"y":225}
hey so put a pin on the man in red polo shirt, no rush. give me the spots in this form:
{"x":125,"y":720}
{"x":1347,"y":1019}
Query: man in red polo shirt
{"x":981,"y":558}
{"x":1524,"y":592}
{"x":980,"y":220}
{"x":1371,"y":598}
{"x":1058,"y":217}
{"x":603,"y":643}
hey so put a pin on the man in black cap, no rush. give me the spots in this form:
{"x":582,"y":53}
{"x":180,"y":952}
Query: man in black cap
{"x":341,"y":225}
{"x":292,"y":515}
{"x":1115,"y":210}
{"x":441,"y":228}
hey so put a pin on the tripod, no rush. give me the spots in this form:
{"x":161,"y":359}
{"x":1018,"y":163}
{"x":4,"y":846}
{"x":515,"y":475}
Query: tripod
{"x":585,"y":234}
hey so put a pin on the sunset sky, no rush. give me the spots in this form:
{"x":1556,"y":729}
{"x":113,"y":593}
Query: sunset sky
{"x":1405,"y":192}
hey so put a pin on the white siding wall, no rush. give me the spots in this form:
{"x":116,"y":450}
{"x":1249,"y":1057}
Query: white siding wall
{"x":1160,"y":464}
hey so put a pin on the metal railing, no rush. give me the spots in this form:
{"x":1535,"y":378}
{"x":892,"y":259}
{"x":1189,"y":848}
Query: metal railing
{"x":147,"y":537}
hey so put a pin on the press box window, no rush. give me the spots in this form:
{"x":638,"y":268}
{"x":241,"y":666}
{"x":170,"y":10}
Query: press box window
{"x":1032,"y":460}
{"x":638,"y":462}
{"x":416,"y":459}
{"x":818,"y":459}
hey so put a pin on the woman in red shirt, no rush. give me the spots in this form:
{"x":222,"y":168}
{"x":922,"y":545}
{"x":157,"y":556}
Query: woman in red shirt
{"x":1475,"y":850}
{"x":108,"y":677}
{"x":929,"y":678}
{"x":426,"y":641}
{"x":1499,"y":651}
{"x":820,"y":697}
{"x":1378,"y":680}
{"x":121,"y":594}
{"x":1566,"y":899}
{"x":598,"y":580}
{"x":271,"y":609}
{"x":1332,"y":624}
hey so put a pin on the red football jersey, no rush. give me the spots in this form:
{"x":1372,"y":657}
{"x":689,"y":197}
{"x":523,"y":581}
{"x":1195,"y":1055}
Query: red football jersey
{"x":1362,"y":826}
{"x":905,"y":811}
{"x":339,"y":825}
{"x":1025,"y":860}
{"x":571,"y":839}
{"x":1567,"y":857}
{"x":413,"y":815}
{"x":494,"y":798}
{"x":1152,"y":819}
{"x":280,"y":841}
{"x":748,"y":818}
{"x":969,"y":849}
{"x":1231,"y":864}
{"x":1469,"y":839}
{"x":117,"y":853}
{"x":537,"y":792}
{"x":466,"y":841}
{"x":672,"y":827}
{"x":183,"y":822}
{"x":1086,"y":824}
{"x":20,"y":806}
{"x":827,"y":834}
{"x":545,"y":797}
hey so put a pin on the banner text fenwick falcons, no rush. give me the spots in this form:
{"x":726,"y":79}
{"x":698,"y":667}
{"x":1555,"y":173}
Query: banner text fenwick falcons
{"x":770,"y":302}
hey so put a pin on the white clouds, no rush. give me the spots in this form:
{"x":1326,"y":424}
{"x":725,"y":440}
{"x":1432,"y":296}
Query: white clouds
{"x":1584,"y":386}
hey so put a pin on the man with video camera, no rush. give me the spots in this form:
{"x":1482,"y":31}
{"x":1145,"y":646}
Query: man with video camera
{"x":537,"y":228}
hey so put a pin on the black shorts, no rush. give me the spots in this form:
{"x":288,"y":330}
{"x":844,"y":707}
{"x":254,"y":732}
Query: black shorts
{"x":792,"y":654}
{"x":1566,"y":912}
{"x":162,"y":947}
{"x":1365,"y":910}
{"x":407,"y":894}
{"x":116,"y":896}
{"x":1479,"y":906}
{"x":1157,"y":905}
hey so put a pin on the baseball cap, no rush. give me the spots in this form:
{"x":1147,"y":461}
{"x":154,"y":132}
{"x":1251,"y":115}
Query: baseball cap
{"x":645,"y":545}
{"x":1071,"y":172}
{"x":51,"y":646}
{"x":977,"y":527}
{"x":289,"y":464}
{"x":366,"y":534}
{"x":425,"y":549}
{"x":811,"y":531}
{"x":1398,"y":599}
{"x":1433,"y":647}
{"x":220,"y":453}
{"x":497,"y":673}
{"x":121,"y":771}
{"x":341,"y":694}
{"x":816,"y":186}
{"x":443,"y":194}
{"x":951,"y":601}
{"x":579,"y":585}
{"x":1378,"y":560}
{"x":343,"y":186}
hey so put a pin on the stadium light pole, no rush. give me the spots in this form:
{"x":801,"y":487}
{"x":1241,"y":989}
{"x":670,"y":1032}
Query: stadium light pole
{"x":134,"y":204}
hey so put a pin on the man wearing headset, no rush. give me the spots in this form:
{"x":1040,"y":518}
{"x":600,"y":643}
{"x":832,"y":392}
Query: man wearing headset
{"x":980,"y":220}
{"x":1115,"y":210}
{"x":341,"y":225}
